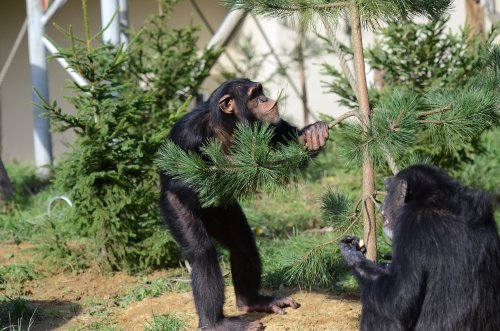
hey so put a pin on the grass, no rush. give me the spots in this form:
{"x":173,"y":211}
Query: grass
{"x":22,"y":215}
{"x":13,"y":276}
{"x":166,"y":323}
{"x":154,"y":288}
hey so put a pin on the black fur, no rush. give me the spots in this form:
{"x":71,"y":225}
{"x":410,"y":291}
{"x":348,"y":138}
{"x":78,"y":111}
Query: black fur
{"x":445,"y":270}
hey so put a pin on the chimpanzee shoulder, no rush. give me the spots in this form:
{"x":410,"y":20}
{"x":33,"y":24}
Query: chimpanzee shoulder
{"x":192,"y":130}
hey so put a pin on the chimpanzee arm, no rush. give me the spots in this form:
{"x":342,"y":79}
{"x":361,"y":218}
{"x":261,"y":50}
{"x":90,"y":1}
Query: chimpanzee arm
{"x":284,"y":132}
{"x":396,"y":292}
{"x":363,"y":269}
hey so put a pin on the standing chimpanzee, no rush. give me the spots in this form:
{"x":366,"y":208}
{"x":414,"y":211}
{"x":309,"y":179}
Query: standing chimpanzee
{"x":238,"y":100}
{"x":445,"y":270}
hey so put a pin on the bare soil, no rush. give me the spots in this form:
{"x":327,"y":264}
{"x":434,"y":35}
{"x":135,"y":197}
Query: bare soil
{"x":75,"y":302}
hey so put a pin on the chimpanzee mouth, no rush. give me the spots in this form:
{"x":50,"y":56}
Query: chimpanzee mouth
{"x":274,"y":107}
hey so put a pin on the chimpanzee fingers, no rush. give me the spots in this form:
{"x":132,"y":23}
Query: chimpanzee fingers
{"x":315,"y":141}
{"x":310,"y":140}
{"x":350,"y":240}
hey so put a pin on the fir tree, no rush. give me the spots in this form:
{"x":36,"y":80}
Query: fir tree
{"x":123,"y":114}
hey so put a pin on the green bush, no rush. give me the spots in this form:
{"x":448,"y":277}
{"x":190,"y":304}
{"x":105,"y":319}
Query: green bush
{"x":439,"y":68}
{"x":132,"y":98}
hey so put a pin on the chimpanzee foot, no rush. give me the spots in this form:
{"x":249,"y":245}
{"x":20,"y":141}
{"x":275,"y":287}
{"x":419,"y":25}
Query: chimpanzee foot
{"x":235,"y":324}
{"x":269,"y":304}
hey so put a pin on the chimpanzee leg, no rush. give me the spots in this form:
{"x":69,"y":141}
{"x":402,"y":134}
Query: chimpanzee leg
{"x":206,"y":276}
{"x":231,"y":229}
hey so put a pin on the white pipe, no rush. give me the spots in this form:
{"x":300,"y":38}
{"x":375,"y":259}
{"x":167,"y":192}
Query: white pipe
{"x":73,"y":74}
{"x":39,"y":80}
{"x":13,"y":51}
{"x":226,"y":28}
{"x":110,"y":21}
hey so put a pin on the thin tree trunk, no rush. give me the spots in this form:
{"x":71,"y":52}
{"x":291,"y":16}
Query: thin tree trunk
{"x":302,"y":71}
{"x":365,"y":114}
{"x":475,"y":17}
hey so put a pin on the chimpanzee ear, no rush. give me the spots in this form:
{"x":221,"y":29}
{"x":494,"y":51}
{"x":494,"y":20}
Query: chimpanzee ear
{"x":402,"y":190}
{"x":226,"y":104}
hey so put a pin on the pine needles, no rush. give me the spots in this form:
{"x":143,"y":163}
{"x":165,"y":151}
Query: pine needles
{"x":251,"y":165}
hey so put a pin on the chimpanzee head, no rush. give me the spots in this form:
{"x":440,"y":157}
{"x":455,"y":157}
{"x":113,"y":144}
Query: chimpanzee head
{"x":397,"y":189}
{"x":418,"y":183}
{"x":244,"y":100}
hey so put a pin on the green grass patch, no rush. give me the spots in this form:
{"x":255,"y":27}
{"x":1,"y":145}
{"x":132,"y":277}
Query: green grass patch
{"x":166,"y":322}
{"x":155,"y":288}
{"x":13,"y":276}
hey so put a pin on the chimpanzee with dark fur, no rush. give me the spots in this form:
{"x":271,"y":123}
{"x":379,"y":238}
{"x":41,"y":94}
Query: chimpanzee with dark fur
{"x":238,"y":100}
{"x":445,"y":270}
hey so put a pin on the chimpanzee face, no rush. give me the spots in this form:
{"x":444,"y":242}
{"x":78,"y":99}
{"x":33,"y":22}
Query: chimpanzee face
{"x":261,"y":107}
{"x":394,"y":200}
{"x":249,"y":103}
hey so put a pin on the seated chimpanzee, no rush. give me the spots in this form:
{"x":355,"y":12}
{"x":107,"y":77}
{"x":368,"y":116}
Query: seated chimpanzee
{"x":238,"y":100}
{"x":445,"y":270}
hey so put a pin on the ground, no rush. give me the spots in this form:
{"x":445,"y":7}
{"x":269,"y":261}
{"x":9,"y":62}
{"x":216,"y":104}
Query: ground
{"x":94,"y":301}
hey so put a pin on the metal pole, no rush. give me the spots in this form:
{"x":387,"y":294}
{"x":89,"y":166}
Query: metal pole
{"x":123,"y":21}
{"x":39,"y":80}
{"x":110,"y":21}
{"x":77,"y":78}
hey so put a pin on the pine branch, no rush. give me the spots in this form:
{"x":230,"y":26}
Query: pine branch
{"x":337,"y":209}
{"x":251,"y":165}
{"x":434,"y":111}
{"x":461,"y":115}
{"x":372,"y":13}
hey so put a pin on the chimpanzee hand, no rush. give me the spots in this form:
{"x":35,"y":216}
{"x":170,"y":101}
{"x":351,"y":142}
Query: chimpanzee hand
{"x":351,"y":250}
{"x":314,"y":136}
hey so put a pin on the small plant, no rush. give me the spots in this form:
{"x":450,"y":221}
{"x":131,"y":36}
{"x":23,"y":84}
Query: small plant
{"x":166,"y":322}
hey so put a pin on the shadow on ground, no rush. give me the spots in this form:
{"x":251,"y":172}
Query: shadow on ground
{"x":24,"y":314}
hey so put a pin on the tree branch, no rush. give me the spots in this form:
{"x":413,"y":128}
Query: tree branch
{"x":436,"y":111}
{"x":390,"y":160}
{"x":330,"y":5}
{"x":343,"y":117}
{"x":431,"y":122}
